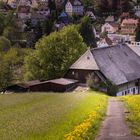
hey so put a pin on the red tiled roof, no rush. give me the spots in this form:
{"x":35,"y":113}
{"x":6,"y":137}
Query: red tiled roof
{"x":130,"y":21}
{"x":108,"y":41}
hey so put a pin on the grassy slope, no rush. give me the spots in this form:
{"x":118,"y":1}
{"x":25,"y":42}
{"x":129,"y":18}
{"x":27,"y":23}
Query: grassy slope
{"x":133,"y":106}
{"x":43,"y":116}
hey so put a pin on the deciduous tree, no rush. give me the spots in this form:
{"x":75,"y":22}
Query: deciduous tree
{"x":54,"y":54}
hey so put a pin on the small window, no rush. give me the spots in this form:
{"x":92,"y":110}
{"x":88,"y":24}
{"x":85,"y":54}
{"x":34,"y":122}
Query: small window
{"x":125,"y":92}
{"x":134,"y":90}
{"x":88,"y":57}
{"x":73,"y":73}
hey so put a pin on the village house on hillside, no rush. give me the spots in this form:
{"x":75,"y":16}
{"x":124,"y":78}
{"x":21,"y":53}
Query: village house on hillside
{"x":74,"y":7}
{"x":110,"y":28}
{"x":128,"y":26}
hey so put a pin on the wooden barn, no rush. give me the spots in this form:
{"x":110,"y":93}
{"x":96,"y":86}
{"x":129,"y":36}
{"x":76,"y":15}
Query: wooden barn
{"x":56,"y":85}
{"x":83,"y":67}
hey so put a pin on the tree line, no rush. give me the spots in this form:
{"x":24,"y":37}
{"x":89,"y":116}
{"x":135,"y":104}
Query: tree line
{"x":51,"y":58}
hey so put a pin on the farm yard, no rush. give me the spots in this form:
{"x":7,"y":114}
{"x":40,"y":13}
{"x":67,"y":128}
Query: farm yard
{"x":133,"y":108}
{"x":42,"y":116}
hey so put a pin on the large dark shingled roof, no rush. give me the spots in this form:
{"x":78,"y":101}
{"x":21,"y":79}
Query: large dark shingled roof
{"x":119,"y":63}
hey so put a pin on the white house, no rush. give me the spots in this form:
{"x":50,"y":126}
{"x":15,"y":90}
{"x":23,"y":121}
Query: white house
{"x":74,"y":7}
{"x":109,"y":28}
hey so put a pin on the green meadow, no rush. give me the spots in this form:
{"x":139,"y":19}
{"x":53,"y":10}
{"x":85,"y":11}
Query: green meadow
{"x":47,"y":116}
{"x":132,"y":104}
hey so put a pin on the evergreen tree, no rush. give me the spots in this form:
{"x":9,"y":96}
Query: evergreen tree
{"x":86,"y":30}
{"x":138,"y":33}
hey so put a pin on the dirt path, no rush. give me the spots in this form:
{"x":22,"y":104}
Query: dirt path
{"x":114,"y":127}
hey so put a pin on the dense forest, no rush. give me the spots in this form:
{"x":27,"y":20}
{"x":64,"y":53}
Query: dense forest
{"x":110,"y":5}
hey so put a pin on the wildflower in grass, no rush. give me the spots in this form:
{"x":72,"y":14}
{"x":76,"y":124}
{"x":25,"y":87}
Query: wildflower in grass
{"x":83,"y":130}
{"x":133,"y":105}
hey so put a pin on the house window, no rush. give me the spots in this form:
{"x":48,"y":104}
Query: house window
{"x":125,"y":92}
{"x":73,"y":73}
{"x":128,"y":91}
{"x":134,"y":90}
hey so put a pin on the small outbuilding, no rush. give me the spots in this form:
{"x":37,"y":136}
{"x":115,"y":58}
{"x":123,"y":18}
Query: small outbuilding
{"x":56,"y":85}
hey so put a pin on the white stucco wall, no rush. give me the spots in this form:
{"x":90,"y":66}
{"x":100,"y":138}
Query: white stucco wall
{"x":128,"y":89}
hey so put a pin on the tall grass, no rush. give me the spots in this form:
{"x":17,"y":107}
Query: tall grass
{"x":41,"y":116}
{"x":133,"y":105}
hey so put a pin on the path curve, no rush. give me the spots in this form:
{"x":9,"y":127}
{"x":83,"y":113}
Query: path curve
{"x":114,"y":127}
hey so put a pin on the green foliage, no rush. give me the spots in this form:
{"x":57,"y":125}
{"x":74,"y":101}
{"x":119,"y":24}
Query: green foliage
{"x":7,"y":63}
{"x":1,"y":4}
{"x":112,"y":89}
{"x":2,"y":23}
{"x":92,"y":81}
{"x":11,"y":62}
{"x":18,"y":69}
{"x":103,"y":34}
{"x":4,"y":44}
{"x":47,"y":26}
{"x":86,"y":30}
{"x":138,"y":33}
{"x":6,"y":20}
{"x":13,"y":33}
{"x":10,"y":19}
{"x":54,"y":54}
